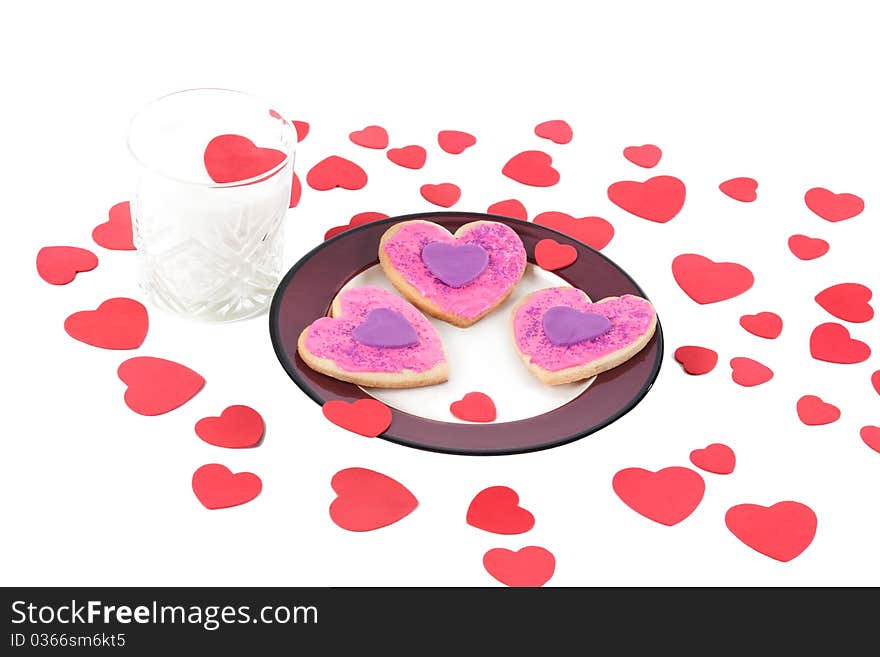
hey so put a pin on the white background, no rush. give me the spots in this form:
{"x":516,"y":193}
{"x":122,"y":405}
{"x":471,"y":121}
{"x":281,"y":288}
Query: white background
{"x":92,"y":493}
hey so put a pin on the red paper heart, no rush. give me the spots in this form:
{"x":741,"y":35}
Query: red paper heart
{"x":871,"y":437}
{"x":764,"y":325}
{"x":592,"y":231}
{"x":236,"y":427}
{"x":781,"y":531}
{"x":551,"y":255}
{"x":532,"y":168}
{"x":707,"y":281}
{"x":832,"y":343}
{"x":368,"y":417}
{"x":116,"y":233}
{"x":357,"y":220}
{"x":474,"y":407}
{"x":509,"y":208}
{"x":657,"y":199}
{"x":455,"y":141}
{"x":231,"y":158}
{"x":833,"y":207}
{"x":217,"y":487}
{"x":875,"y":381}
{"x":118,"y":323}
{"x":747,"y":372}
{"x":529,"y":566}
{"x":59,"y":265}
{"x":807,"y":248}
{"x":647,"y":155}
{"x":696,"y":360}
{"x":717,"y":458}
{"x":411,"y":157}
{"x":295,"y":191}
{"x":302,"y":130}
{"x":667,"y":496}
{"x":496,"y":509}
{"x":740,"y":189}
{"x":557,"y":131}
{"x":373,"y":136}
{"x":156,"y":385}
{"x":367,"y":500}
{"x":812,"y":411}
{"x":445,"y":194}
{"x":335,"y":171}
{"x":847,"y":301}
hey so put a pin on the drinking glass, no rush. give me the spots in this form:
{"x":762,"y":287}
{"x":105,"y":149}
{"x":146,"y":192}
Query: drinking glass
{"x":206,"y":249}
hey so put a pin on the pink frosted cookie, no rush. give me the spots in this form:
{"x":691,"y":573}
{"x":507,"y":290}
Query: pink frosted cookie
{"x":562,"y":336}
{"x":458,"y":278}
{"x":374,"y":338}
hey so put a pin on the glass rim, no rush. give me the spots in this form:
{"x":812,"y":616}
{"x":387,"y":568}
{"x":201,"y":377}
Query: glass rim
{"x":288,"y":153}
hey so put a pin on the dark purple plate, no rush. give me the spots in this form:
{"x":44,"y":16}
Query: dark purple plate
{"x":309,"y":287}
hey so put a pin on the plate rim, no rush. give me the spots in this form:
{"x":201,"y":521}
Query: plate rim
{"x":283,"y":358}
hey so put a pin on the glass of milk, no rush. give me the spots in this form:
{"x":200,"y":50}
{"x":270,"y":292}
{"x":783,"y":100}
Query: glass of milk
{"x":208,"y":250}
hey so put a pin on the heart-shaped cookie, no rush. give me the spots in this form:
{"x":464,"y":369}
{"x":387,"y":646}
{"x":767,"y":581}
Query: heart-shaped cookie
{"x":562,"y":336}
{"x":458,"y":278}
{"x":374,"y":338}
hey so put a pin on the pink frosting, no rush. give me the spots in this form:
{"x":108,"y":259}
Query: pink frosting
{"x":331,"y":337}
{"x":507,"y":260}
{"x":630,"y":318}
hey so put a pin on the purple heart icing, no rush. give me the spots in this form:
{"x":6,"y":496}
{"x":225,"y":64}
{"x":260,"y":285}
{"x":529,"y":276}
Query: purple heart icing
{"x":566,"y":326}
{"x":386,"y":329}
{"x":455,"y":264}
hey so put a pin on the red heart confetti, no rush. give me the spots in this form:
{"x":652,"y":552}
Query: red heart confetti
{"x":411,"y":157}
{"x":509,"y":208}
{"x":832,"y":343}
{"x":295,"y":191}
{"x":833,"y":207}
{"x":445,"y":194}
{"x":657,"y":199}
{"x":696,"y":360}
{"x":647,"y":155}
{"x":748,"y":373}
{"x":875,"y":381}
{"x":781,"y":532}
{"x":373,"y":136}
{"x":302,"y":130}
{"x":557,"y":131}
{"x":368,"y":500}
{"x":455,"y":141}
{"x":217,"y":487}
{"x":870,"y":435}
{"x":667,"y":496}
{"x":59,"y":265}
{"x":812,"y":411}
{"x":231,"y":158}
{"x":474,"y":407}
{"x":551,"y":255}
{"x":236,"y":427}
{"x":529,"y":566}
{"x":847,"y":301}
{"x":156,"y":385}
{"x":335,"y":171}
{"x":764,"y":325}
{"x":707,"y":281}
{"x":592,"y":231}
{"x":368,"y":417}
{"x":118,"y":323}
{"x":531,"y":168}
{"x":357,"y":220}
{"x":807,"y":248}
{"x":496,"y":509}
{"x":116,"y":233}
{"x":740,"y":189}
{"x":717,"y":458}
